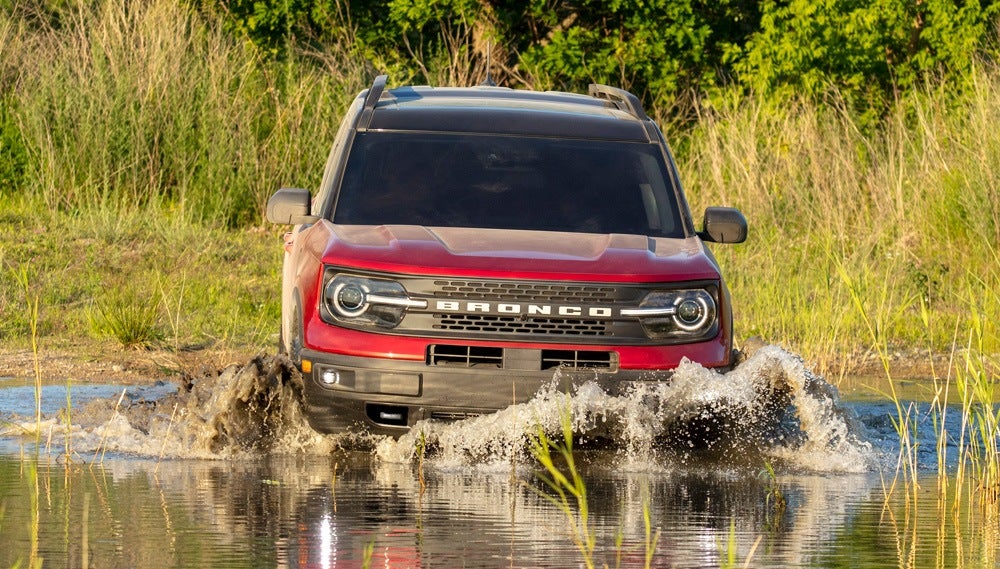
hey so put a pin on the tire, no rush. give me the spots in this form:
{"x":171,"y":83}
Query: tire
{"x":295,"y":342}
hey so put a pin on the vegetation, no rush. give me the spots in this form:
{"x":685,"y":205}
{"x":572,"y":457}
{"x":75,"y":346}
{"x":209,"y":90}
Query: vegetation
{"x":565,"y":488}
{"x":663,"y":50}
{"x":140,"y":141}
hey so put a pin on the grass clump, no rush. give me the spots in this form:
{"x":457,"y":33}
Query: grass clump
{"x":131,"y":317}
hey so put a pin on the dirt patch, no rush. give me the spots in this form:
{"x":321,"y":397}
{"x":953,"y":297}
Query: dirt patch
{"x":100,"y":363}
{"x":96,"y":362}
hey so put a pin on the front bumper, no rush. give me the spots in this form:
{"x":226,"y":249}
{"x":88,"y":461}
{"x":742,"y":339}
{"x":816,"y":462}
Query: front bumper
{"x":388,"y":396}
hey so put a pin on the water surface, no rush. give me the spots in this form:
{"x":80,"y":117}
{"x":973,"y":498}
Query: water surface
{"x":224,"y":472}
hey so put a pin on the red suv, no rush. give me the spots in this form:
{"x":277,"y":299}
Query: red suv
{"x":466,"y":243}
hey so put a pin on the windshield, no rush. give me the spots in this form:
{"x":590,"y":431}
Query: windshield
{"x":500,"y":182}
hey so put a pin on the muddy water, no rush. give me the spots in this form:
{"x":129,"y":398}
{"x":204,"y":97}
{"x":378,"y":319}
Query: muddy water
{"x":221,"y":471}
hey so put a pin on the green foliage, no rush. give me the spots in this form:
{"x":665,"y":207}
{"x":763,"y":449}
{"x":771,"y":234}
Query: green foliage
{"x":661,"y":49}
{"x":865,"y":49}
{"x":668,"y":52}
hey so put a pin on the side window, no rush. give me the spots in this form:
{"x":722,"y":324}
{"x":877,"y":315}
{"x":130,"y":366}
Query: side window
{"x":337,"y":156}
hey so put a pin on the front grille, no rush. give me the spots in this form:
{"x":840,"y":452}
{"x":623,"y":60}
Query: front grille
{"x":464,"y":356}
{"x":578,"y":359}
{"x":481,"y":323}
{"x":453,"y":415}
{"x":523,"y":292}
{"x":520,"y":359}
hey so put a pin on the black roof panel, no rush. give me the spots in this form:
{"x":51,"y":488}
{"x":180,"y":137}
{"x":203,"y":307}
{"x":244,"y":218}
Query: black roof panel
{"x":498,"y":110}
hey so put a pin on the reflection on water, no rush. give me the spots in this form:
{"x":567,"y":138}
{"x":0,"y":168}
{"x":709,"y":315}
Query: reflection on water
{"x":222,"y":471}
{"x":325,"y":511}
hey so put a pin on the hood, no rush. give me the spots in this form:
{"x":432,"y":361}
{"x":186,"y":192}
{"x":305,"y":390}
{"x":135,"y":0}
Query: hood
{"x":499,"y":253}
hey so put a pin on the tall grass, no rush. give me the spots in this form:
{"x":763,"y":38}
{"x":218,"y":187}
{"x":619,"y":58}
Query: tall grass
{"x":127,"y":105}
{"x":979,"y":450}
{"x":148,"y":119}
{"x":908,"y":209}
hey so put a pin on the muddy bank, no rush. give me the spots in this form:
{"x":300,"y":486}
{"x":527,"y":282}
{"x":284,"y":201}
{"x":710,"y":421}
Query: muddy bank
{"x":95,"y":362}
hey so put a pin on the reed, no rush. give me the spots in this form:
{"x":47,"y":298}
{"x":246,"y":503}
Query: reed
{"x":569,"y":491}
{"x":979,"y":456}
{"x":368,"y":554}
{"x":32,"y":301}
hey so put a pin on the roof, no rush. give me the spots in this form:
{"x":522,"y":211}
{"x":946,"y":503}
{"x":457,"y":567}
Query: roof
{"x":501,"y":110}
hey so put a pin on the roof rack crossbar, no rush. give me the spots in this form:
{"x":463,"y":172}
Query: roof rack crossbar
{"x":371,"y":99}
{"x":620,"y":98}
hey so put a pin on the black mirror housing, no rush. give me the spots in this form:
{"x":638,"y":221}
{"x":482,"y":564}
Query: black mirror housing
{"x":290,"y":206}
{"x":724,"y":225}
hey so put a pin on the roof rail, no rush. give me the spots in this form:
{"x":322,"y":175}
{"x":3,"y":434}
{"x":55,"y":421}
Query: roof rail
{"x":371,"y":99}
{"x":620,"y":98}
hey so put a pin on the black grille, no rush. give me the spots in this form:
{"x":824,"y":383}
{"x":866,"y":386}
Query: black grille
{"x":464,"y":356}
{"x":578,"y":359}
{"x":548,"y":311}
{"x":523,"y":359}
{"x":453,"y":415}
{"x":488,"y":324}
{"x":523,"y":292}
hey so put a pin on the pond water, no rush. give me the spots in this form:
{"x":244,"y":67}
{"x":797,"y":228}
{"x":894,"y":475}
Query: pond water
{"x":221,"y":471}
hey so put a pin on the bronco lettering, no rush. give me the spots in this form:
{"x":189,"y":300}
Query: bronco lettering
{"x":516,"y":309}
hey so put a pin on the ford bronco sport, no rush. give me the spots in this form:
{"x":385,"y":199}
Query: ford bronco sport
{"x":466,"y":243}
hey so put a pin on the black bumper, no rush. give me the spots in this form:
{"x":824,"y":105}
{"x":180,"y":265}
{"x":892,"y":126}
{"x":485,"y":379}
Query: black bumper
{"x":386,"y":396}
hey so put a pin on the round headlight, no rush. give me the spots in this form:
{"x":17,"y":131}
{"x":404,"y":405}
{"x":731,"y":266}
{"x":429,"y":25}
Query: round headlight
{"x":689,"y":311}
{"x":362,"y":301}
{"x":349,"y":299}
{"x":693,"y":312}
{"x":682,"y":314}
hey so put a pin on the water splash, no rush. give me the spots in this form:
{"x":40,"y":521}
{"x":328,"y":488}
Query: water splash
{"x":244,"y":410}
{"x":770,"y":407}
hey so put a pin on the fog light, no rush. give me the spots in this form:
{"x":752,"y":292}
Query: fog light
{"x":330,"y":377}
{"x":335,"y":378}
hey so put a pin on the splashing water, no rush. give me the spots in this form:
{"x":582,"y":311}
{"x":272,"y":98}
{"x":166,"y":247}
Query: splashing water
{"x":244,"y":410}
{"x":770,"y":407}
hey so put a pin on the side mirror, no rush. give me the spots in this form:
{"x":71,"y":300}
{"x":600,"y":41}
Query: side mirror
{"x":724,"y":225}
{"x":290,"y":206}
